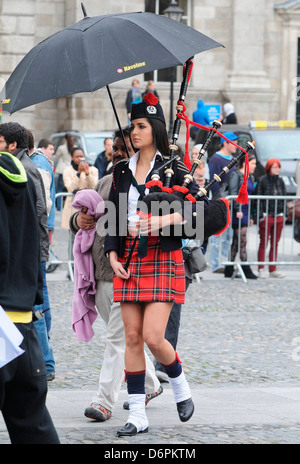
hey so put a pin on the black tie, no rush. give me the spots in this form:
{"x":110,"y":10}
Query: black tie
{"x":142,"y":246}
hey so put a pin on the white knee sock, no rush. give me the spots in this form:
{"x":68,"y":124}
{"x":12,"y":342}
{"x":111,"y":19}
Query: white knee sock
{"x":180,"y":387}
{"x":137,"y":415}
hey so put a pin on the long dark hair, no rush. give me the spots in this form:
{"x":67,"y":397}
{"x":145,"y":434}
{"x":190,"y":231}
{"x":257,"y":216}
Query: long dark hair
{"x":160,"y":136}
{"x":70,"y":142}
{"x":242,"y":160}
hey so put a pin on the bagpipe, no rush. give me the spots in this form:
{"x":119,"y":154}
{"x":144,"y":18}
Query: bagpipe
{"x":218,"y":217}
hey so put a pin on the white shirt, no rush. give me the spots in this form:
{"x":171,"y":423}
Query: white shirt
{"x":133,"y":193}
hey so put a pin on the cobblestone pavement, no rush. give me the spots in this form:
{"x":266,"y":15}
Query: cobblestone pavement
{"x":232,"y":335}
{"x":229,"y":333}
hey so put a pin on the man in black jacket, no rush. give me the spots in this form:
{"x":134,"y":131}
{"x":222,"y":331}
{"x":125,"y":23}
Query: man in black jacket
{"x":23,"y":381}
{"x":16,"y":142}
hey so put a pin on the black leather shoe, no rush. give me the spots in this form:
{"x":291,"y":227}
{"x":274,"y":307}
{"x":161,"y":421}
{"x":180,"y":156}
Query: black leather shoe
{"x":129,"y":430}
{"x":229,"y":269}
{"x":185,"y":409}
{"x":248,"y":272}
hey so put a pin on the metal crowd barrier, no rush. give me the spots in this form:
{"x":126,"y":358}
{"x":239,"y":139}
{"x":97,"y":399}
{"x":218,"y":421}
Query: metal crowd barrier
{"x":287,"y":253}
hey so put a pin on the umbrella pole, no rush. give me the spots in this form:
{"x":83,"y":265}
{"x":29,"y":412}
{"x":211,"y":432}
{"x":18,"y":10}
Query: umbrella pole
{"x":117,"y":118}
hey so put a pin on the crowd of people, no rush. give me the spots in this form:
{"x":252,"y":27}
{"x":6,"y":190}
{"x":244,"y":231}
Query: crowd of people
{"x":269,"y":214}
{"x":139,"y":304}
{"x":271,"y":218}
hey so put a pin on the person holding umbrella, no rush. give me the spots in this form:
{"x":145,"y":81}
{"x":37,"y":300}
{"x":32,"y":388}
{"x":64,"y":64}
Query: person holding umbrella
{"x":112,"y":369}
{"x":153,"y":283}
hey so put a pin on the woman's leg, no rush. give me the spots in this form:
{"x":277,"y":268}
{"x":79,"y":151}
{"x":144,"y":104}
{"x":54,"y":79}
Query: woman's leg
{"x":132,"y":315}
{"x":243,"y":254}
{"x":234,"y":244}
{"x":155,"y":320}
{"x":264,"y":230}
{"x":137,"y":422}
{"x":243,"y":244}
{"x":277,"y":227}
{"x":156,"y":317}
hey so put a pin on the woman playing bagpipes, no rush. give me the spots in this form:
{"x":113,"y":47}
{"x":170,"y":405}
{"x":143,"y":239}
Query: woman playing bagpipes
{"x":155,"y":278}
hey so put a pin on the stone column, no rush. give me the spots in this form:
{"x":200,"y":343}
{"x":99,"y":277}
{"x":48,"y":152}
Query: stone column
{"x":247,"y":62}
{"x":290,"y":82}
{"x":17,"y":37}
{"x":248,"y":85}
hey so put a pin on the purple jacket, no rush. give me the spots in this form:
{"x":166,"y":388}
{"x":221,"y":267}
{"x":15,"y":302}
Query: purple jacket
{"x":84,"y":311}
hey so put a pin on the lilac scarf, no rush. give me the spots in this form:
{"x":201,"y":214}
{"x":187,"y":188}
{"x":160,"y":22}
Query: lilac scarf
{"x":84,"y":311}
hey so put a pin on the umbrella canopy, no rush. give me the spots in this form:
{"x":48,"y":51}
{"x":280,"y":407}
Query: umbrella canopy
{"x":97,"y":51}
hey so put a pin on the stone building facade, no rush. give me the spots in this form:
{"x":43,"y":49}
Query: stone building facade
{"x":258,"y":70}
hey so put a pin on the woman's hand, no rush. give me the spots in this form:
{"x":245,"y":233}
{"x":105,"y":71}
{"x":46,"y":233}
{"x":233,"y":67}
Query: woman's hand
{"x":149,"y":225}
{"x":239,"y":215}
{"x":117,"y":266}
{"x":153,"y":224}
{"x":86,"y":169}
{"x":81,"y":167}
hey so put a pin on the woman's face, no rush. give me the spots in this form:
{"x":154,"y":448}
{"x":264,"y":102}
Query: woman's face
{"x":275,"y":170}
{"x":77,"y":155}
{"x":252,"y":166}
{"x":141,"y":133}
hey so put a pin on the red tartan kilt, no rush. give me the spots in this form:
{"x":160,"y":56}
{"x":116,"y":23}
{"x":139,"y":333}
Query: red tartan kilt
{"x":159,"y":276}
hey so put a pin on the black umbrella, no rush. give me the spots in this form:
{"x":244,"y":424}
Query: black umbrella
{"x":97,"y":51}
